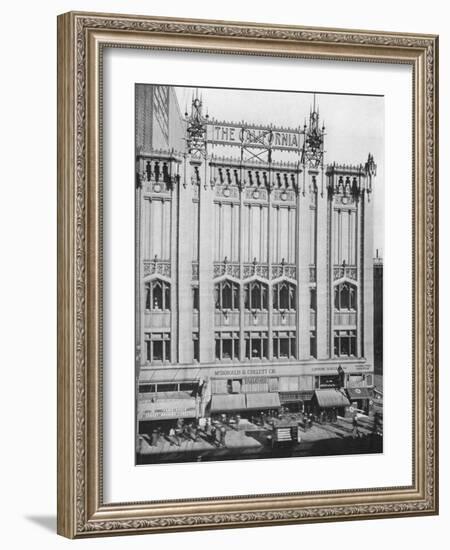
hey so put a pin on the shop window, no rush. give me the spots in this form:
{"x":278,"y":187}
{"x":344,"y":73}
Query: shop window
{"x":227,"y":295}
{"x":167,"y":387}
{"x":284,"y":296}
{"x":345,"y":343}
{"x":157,"y":295}
{"x":345,"y":297}
{"x":147,"y":388}
{"x":255,"y":294}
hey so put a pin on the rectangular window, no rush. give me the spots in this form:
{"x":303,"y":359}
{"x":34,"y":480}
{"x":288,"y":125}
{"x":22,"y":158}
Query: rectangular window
{"x":166,"y":350}
{"x":167,"y":387}
{"x":188,"y":386}
{"x":227,"y":349}
{"x":227,"y":346}
{"x":147,"y":388}
{"x":312,"y":344}
{"x":284,"y":345}
{"x":195,"y":298}
{"x":196,"y":346}
{"x":345,"y":343}
{"x":313,"y":299}
{"x":158,"y":351}
{"x":158,"y":347}
{"x":256,"y":345}
{"x":284,"y":348}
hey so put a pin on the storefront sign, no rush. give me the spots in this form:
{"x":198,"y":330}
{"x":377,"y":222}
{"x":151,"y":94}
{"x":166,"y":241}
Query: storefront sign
{"x":243,"y":372}
{"x":150,"y":414}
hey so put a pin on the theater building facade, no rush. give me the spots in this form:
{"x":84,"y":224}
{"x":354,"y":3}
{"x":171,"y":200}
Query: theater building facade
{"x":254,"y":275}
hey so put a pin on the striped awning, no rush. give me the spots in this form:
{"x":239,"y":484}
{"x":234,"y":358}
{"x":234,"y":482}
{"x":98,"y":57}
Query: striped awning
{"x":330,"y":397}
{"x":269,"y":400}
{"x":228,"y":402}
{"x":295,"y":396}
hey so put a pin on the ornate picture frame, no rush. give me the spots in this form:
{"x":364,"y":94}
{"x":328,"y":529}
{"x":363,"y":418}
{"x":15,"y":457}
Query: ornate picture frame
{"x":82,"y":38}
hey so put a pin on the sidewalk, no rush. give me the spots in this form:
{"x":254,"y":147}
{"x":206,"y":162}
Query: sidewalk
{"x":251,"y":437}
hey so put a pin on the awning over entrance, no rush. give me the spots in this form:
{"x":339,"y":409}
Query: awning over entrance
{"x":228,"y":402}
{"x":359,"y":393}
{"x":295,"y":396}
{"x":330,"y":397}
{"x":263,"y":400}
{"x":163,"y":407}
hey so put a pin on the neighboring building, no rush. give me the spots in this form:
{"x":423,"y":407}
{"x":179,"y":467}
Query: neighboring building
{"x":378,"y":313}
{"x":254,"y":278}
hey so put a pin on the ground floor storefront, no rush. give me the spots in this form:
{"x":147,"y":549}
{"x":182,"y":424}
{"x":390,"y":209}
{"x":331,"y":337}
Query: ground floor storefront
{"x":184,"y":402}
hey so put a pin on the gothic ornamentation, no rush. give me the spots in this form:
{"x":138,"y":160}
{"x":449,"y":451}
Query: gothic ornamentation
{"x":313,"y":143}
{"x":227,"y":192}
{"x":227,"y":268}
{"x":345,"y":271}
{"x":255,"y":269}
{"x":256,"y":194}
{"x":284,"y":270}
{"x":196,"y":128}
{"x":284,"y":196}
{"x":155,"y":266}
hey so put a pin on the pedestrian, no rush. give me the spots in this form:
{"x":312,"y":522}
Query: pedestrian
{"x":213,"y":435}
{"x":223,"y":433}
{"x":173,"y":437}
{"x":294,"y":433}
{"x":310,"y":420}
{"x":376,"y":422}
{"x":207,"y":429}
{"x":194,"y":432}
{"x":155,"y":438}
{"x":355,"y":431}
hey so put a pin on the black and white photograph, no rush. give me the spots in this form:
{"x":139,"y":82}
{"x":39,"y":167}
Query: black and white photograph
{"x":259,"y":237}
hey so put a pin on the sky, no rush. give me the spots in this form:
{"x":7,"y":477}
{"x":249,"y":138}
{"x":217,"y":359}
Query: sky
{"x":354,"y":126}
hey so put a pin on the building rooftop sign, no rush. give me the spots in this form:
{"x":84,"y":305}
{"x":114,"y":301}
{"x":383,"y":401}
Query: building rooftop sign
{"x":244,"y":134}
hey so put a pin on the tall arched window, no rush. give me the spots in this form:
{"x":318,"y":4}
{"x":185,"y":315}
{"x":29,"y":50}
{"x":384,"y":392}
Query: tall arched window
{"x":157,"y":295}
{"x":227,"y":295}
{"x":284,"y":296}
{"x":255,"y":294}
{"x":345,"y":297}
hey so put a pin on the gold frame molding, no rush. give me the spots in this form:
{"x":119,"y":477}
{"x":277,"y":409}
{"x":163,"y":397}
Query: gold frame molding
{"x":81,"y":510}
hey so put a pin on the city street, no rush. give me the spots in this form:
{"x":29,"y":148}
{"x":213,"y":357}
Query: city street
{"x":254,"y":441}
